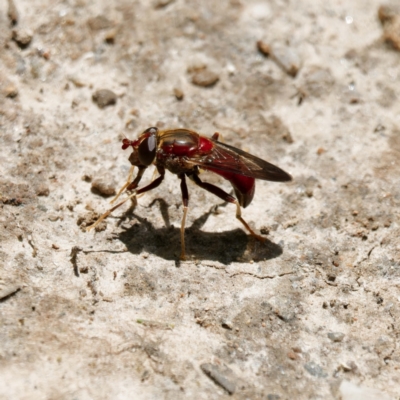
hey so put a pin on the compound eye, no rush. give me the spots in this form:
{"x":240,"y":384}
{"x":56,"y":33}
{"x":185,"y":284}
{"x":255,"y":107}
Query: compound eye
{"x":147,"y":150}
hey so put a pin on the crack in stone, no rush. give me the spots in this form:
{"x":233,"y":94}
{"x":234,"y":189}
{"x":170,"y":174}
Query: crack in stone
{"x":262,"y":277}
{"x":247,"y":273}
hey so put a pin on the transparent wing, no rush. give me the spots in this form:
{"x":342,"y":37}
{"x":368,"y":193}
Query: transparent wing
{"x":230,"y":159}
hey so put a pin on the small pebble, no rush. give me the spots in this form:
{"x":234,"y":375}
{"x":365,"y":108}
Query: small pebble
{"x":336,"y":336}
{"x":178,"y":94}
{"x":292,"y":355}
{"x":287,"y":58}
{"x":9,"y":90}
{"x":22,"y":37}
{"x":104,"y":98}
{"x":42,"y":190}
{"x":162,"y":3}
{"x":87,"y":178}
{"x":297,"y":349}
{"x":53,"y":217}
{"x":314,"y":369}
{"x":227,"y":324}
{"x":77,"y":80}
{"x":219,"y":376}
{"x":391,"y":33}
{"x":43,"y":52}
{"x":104,"y":185}
{"x":12,"y":12}
{"x":204,"y":78}
{"x":98,"y":23}
{"x":110,"y":35}
{"x":263,"y":48}
{"x":348,"y":366}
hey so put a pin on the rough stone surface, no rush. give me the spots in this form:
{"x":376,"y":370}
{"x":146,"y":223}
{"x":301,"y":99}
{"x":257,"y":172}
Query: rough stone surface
{"x":111,"y":313}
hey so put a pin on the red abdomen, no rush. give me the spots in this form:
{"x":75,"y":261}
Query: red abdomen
{"x":244,"y":186}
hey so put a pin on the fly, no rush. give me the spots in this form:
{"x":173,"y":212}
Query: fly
{"x":184,"y":152}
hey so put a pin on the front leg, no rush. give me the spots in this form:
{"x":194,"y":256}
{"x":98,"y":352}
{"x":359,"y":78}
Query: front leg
{"x":138,"y":178}
{"x":128,"y":182}
{"x":150,"y":186}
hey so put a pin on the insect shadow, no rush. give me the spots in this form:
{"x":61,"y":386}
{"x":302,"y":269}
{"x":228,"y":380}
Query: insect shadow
{"x":225,"y":247}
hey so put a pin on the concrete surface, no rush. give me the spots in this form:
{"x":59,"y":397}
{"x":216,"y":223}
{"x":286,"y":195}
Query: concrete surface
{"x":313,"y":313}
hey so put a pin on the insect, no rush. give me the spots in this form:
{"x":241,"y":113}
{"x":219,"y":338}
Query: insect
{"x":184,"y":153}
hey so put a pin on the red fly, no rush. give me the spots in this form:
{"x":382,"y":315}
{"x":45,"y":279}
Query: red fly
{"x":184,"y":152}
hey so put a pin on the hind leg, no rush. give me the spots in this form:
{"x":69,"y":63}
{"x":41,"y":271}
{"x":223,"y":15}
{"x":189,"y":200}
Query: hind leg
{"x":226,"y":197}
{"x":185,"y":202}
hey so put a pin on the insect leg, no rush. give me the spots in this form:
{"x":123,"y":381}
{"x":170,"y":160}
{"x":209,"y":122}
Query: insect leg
{"x":128,"y":181}
{"x":226,"y":197}
{"x":135,"y":183}
{"x":150,"y":186}
{"x":107,"y":213}
{"x":185,"y":202}
{"x":128,"y":185}
{"x":246,"y":225}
